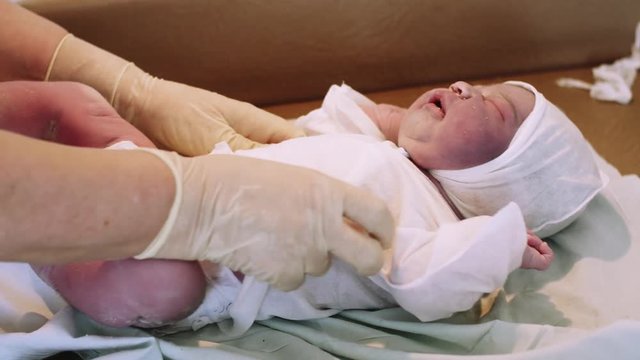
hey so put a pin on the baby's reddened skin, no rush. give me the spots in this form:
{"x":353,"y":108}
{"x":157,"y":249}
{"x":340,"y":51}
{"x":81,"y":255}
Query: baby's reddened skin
{"x":143,"y":293}
{"x":119,"y":293}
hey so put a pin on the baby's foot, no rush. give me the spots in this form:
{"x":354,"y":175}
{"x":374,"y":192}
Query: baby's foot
{"x":538,"y":254}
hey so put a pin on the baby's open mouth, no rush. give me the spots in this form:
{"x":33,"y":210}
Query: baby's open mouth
{"x":436,"y":106}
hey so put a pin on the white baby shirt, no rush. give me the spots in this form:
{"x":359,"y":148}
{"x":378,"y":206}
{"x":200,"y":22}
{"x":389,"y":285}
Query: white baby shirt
{"x":438,"y":265}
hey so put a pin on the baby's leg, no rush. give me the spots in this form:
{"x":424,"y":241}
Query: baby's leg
{"x":120,"y":293}
{"x":143,"y":293}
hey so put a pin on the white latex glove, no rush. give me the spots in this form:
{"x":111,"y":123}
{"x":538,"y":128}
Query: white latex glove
{"x":273,"y":221}
{"x":186,"y":119}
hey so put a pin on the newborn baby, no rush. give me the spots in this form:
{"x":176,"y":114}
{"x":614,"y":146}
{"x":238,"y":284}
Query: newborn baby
{"x":461,"y":127}
{"x":439,"y":264}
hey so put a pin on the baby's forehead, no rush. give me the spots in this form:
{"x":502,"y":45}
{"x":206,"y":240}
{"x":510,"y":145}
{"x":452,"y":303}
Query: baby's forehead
{"x":505,"y":87}
{"x":522,"y":99}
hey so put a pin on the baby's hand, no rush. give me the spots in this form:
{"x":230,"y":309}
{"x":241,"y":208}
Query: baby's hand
{"x":538,"y":254}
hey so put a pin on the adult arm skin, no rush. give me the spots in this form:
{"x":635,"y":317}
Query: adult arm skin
{"x":27,"y":43}
{"x":62,"y":204}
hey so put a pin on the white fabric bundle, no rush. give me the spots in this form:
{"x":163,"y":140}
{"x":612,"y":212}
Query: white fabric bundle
{"x":612,"y":81}
{"x":548,"y":170}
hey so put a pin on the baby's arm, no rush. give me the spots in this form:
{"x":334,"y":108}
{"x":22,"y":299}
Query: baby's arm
{"x":538,"y":254}
{"x":387,"y":118}
{"x":437,"y":273}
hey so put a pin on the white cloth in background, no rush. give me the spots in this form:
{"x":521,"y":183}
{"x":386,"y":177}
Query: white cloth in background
{"x":437,"y":266}
{"x":548,"y":170}
{"x":612,"y":81}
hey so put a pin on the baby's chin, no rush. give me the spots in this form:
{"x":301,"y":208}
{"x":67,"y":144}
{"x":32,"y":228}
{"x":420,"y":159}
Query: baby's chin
{"x":422,"y":154}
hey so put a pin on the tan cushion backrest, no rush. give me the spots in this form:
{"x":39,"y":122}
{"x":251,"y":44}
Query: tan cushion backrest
{"x":280,"y":51}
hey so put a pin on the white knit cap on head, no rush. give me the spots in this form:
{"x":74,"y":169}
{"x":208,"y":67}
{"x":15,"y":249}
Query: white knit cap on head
{"x":548,"y":170}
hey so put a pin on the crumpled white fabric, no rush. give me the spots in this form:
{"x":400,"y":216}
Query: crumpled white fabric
{"x":612,"y":81}
{"x":549,"y":170}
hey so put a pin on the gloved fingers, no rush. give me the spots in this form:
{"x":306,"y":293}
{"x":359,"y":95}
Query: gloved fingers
{"x":276,"y":131}
{"x":264,"y":133}
{"x":239,"y":142}
{"x":371,"y":213}
{"x":257,"y":124}
{"x":354,"y":246}
{"x":201,"y":141}
{"x":288,"y":280}
{"x":220,"y":127}
{"x":270,"y":129}
{"x":317,"y":263}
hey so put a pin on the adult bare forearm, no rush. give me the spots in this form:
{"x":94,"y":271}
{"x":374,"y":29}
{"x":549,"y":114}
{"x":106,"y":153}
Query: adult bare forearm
{"x":27,"y":43}
{"x":63,"y":204}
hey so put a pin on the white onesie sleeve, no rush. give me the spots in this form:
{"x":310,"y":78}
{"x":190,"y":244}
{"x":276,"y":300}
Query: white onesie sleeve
{"x":437,"y":273}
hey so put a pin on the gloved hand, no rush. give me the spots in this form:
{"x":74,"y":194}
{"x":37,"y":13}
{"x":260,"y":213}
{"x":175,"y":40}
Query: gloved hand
{"x":175,"y":116}
{"x":274,"y":221}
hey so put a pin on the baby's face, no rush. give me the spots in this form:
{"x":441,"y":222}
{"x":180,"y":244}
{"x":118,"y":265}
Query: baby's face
{"x":464,"y":125}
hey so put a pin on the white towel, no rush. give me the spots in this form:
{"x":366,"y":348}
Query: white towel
{"x":612,"y":81}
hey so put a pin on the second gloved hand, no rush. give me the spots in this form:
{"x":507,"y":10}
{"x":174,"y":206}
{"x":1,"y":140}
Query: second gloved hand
{"x":175,"y":116}
{"x":274,"y":221}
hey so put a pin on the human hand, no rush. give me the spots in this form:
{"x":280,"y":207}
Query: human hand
{"x":192,"y":120}
{"x":175,"y":116}
{"x":274,"y":221}
{"x":538,"y":254}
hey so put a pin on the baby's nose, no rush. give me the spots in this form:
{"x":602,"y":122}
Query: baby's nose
{"x":464,"y":89}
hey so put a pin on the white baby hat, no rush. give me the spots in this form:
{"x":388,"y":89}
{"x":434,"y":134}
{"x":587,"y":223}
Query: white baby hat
{"x":548,"y":169}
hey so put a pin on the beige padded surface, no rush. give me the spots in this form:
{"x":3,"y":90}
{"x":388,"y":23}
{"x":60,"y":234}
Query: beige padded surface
{"x":288,"y":50}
